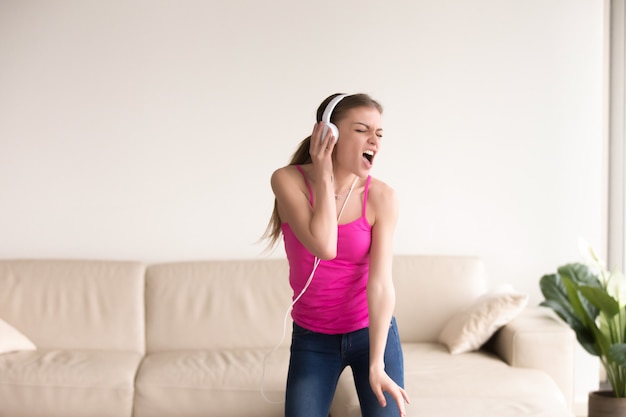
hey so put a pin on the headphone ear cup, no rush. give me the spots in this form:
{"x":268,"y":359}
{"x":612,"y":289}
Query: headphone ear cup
{"x":333,"y":129}
{"x":326,"y":117}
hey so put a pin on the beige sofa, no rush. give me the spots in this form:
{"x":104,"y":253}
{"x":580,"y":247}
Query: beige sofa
{"x":194,"y":339}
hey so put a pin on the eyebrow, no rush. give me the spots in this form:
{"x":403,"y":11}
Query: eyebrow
{"x":380,"y":129}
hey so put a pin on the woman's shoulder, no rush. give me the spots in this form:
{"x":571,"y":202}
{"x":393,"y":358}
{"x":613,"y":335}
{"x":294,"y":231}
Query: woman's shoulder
{"x":288,"y":175}
{"x":290,"y":171}
{"x":381,"y":189}
{"x":383,"y":199}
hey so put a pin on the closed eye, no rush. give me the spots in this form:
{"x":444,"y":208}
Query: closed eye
{"x":363,"y":128}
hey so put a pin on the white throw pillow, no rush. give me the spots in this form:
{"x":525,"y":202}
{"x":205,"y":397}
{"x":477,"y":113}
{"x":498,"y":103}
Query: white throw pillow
{"x":11,"y":340}
{"x":470,"y":329}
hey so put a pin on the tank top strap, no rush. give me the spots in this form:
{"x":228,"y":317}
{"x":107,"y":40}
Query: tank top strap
{"x":367,"y":186}
{"x":308,"y":186}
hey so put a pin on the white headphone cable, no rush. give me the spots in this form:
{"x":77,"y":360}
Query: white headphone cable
{"x":308,"y":282}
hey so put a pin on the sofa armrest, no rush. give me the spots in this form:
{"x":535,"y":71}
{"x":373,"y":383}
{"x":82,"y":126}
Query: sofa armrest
{"x":539,"y":339}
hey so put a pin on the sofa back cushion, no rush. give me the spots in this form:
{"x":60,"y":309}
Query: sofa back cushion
{"x":242,"y":303}
{"x":431,"y":289}
{"x":217,"y":304}
{"x":71,"y":304}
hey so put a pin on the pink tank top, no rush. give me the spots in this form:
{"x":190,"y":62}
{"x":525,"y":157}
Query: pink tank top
{"x":336,"y":300}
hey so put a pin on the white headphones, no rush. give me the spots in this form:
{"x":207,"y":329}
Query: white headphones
{"x":326,"y":117}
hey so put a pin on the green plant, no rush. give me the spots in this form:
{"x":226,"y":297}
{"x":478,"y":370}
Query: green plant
{"x":591,"y":300}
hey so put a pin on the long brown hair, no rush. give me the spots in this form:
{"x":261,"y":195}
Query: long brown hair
{"x":302,"y":155}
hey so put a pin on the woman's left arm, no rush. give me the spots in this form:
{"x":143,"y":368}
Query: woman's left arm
{"x":381,"y":295}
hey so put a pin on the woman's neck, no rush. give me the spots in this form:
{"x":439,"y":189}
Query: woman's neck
{"x":342,"y":183}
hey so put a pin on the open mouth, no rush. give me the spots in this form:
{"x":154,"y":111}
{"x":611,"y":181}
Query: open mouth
{"x":369,"y":155}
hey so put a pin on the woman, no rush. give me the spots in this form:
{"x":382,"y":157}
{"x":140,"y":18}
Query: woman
{"x":338,"y":224}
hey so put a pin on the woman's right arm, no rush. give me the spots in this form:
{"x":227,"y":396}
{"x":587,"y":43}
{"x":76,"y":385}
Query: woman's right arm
{"x":315,"y":227}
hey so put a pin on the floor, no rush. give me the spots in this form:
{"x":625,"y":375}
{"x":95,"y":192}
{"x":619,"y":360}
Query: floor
{"x":580,"y":409}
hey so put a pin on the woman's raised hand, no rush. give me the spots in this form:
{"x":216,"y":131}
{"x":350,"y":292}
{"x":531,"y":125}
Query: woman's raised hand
{"x":321,"y":150}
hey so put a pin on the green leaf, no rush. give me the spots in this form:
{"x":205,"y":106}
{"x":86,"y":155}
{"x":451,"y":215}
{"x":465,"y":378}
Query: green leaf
{"x":583,"y":334}
{"x":601,"y":300}
{"x":587,"y":313}
{"x":564,"y":312}
{"x":571,"y":287}
{"x":553,"y":290}
{"x":580,"y":274}
{"x":617,"y":353}
{"x":556,"y":298}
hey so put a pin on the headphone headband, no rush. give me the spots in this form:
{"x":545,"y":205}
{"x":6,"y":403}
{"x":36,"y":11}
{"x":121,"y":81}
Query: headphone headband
{"x":326,"y":117}
{"x":331,"y":106}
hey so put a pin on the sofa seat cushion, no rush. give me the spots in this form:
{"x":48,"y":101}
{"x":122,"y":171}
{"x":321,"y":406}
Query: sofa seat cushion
{"x":209,"y":383}
{"x":474,"y":384}
{"x":67,"y":383}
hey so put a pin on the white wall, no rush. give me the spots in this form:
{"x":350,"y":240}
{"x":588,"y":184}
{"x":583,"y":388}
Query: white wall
{"x":148,"y":130}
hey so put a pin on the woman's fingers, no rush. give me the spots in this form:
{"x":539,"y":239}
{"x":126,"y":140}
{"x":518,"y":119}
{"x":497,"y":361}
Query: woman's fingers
{"x":321,"y":142}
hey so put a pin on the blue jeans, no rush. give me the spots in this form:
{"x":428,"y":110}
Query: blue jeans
{"x":318,"y":359}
